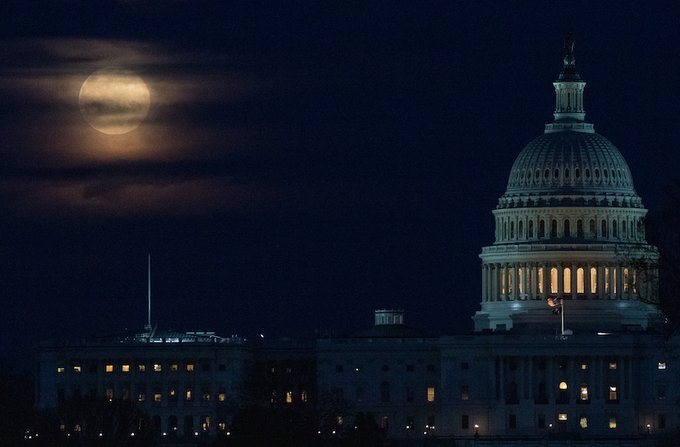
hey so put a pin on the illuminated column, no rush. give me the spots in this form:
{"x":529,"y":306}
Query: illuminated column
{"x":545,"y":281}
{"x":600,"y":282}
{"x":619,"y":282}
{"x":573,"y":281}
{"x":560,"y":279}
{"x":515,"y":286}
{"x":532,"y":281}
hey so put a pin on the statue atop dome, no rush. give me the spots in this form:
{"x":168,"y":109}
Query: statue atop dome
{"x":568,"y":72}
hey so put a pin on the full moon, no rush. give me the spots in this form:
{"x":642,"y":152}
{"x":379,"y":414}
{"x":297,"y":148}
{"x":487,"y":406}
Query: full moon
{"x":114,"y":101}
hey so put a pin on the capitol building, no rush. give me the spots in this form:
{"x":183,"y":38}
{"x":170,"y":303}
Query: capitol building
{"x":567,"y":345}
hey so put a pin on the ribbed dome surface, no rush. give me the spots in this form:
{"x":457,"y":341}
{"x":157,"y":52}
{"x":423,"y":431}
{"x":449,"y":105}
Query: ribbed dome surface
{"x":570,"y":162}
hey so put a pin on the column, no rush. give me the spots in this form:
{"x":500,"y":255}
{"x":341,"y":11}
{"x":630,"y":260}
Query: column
{"x":586,"y":280}
{"x":515,"y":287}
{"x":600,"y":282}
{"x":484,"y":279}
{"x":573,"y":281}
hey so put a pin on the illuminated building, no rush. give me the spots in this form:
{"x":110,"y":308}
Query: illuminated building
{"x":188,"y":383}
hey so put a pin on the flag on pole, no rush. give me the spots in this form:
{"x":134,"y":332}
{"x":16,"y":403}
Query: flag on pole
{"x":555,"y":304}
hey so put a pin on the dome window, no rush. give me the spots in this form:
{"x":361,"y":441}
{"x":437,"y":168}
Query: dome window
{"x":587,"y":173}
{"x":547,"y":173}
{"x":541,"y":228}
{"x":579,"y":228}
{"x":553,"y":229}
{"x":530,"y":230}
{"x":604,"y":228}
{"x":605,"y":173}
{"x":597,"y":173}
{"x":619,"y":171}
{"x":528,"y":175}
{"x":557,"y":173}
{"x":577,"y":173}
{"x":566,"y":173}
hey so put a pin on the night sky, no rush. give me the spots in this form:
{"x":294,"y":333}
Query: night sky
{"x":302,"y":163}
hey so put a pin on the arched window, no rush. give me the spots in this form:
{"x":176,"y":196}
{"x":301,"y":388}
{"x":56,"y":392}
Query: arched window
{"x":615,"y":230}
{"x":624,"y":231}
{"x":553,"y":229}
{"x":563,"y":385}
{"x":520,"y":229}
{"x":505,"y":231}
{"x":541,"y":228}
{"x":579,"y":228}
{"x":580,"y":281}
{"x":592,"y":228}
{"x":385,"y":392}
{"x":593,"y":280}
{"x":553,"y":280}
{"x":566,"y":280}
{"x":511,"y":271}
{"x":567,"y":229}
{"x":540,"y":280}
{"x":604,"y":228}
{"x":625,"y":280}
{"x":530,"y":231}
{"x":512,"y":230}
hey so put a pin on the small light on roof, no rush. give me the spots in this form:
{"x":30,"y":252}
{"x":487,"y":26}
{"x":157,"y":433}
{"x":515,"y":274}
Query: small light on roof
{"x":261,"y":335}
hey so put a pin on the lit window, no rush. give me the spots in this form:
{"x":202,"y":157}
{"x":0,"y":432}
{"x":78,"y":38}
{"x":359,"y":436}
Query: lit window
{"x":205,"y":423}
{"x":125,"y":368}
{"x":190,"y":367}
{"x":562,"y":417}
{"x":77,"y":427}
{"x":60,"y":369}
{"x":584,"y":392}
{"x":157,"y":397}
{"x":187,"y":394}
{"x":108,"y":368}
{"x":77,"y":368}
{"x":222,"y":396}
{"x":464,"y":392}
{"x":157,"y":367}
{"x":141,"y":367}
{"x":206,"y":396}
{"x":593,"y":280}
{"x":580,"y":281}
{"x":289,"y":397}
{"x":172,"y":392}
{"x":303,"y":396}
{"x":553,"y":280}
{"x":430,"y":394}
{"x":583,"y":422}
{"x":141,"y":396}
{"x":613,"y":394}
{"x":563,"y":385}
{"x":584,"y":366}
{"x":174,"y":367}
{"x":661,"y":365}
{"x":109,"y":394}
{"x":612,"y":365}
{"x":222,"y":426}
{"x":612,"y":422}
{"x":567,"y":280}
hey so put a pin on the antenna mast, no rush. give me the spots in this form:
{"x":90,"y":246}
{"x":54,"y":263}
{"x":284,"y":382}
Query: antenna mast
{"x":148,"y":320}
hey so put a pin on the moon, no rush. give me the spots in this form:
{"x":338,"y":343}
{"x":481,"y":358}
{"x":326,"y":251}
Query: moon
{"x":114,"y":101}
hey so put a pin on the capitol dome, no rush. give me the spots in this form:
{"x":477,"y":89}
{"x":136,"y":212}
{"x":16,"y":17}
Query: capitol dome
{"x":569,"y":230}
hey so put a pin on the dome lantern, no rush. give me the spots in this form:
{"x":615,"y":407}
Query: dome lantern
{"x":569,"y":113}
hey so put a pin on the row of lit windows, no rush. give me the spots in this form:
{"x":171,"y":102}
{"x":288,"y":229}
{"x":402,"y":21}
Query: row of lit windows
{"x":627,"y":229}
{"x":141,"y":367}
{"x":629,"y":280}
